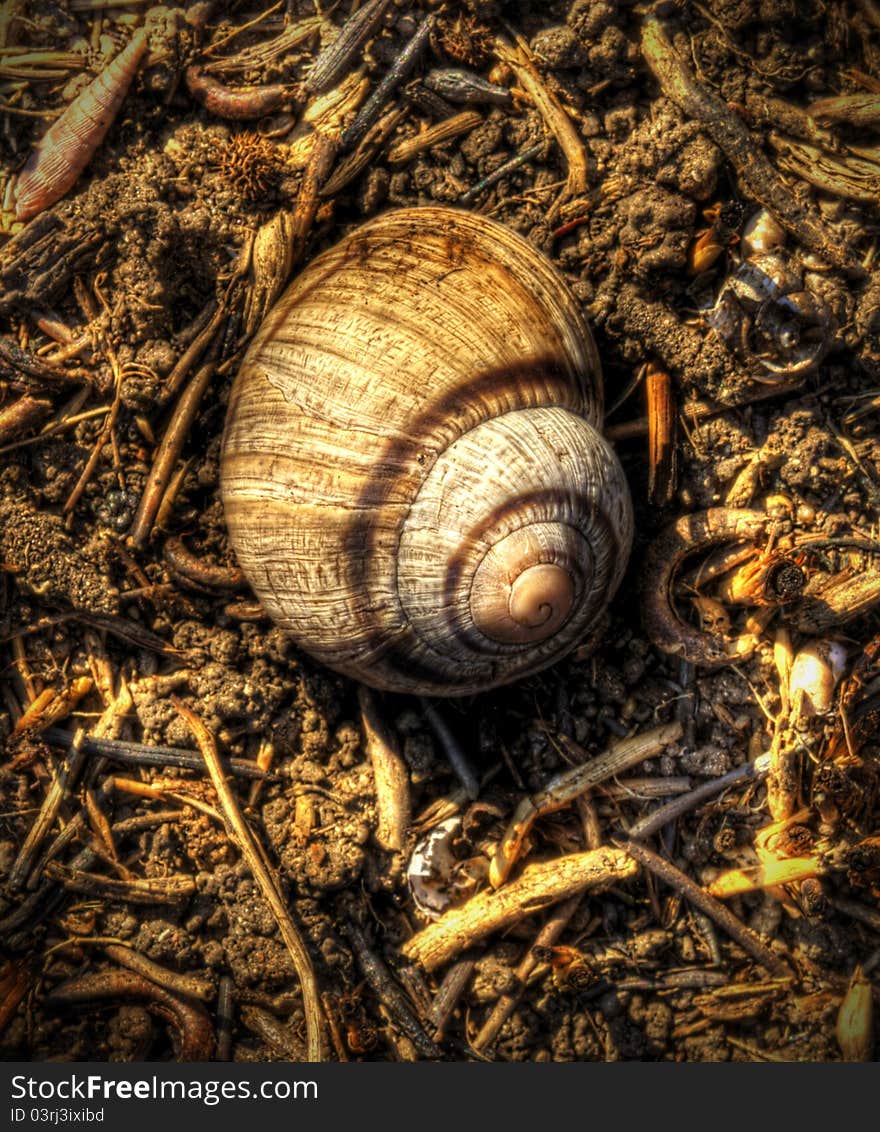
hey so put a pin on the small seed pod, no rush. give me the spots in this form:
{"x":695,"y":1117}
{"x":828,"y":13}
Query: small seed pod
{"x":238,"y":104}
{"x":466,"y":87}
{"x":855,"y":1020}
{"x":70,"y":142}
{"x":817,"y":668}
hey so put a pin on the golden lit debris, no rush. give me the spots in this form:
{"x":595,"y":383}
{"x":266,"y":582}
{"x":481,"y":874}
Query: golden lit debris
{"x":815,"y":672}
{"x":565,"y":787}
{"x":767,"y":874}
{"x":539,"y":886}
{"x":51,"y":706}
{"x":855,"y":1019}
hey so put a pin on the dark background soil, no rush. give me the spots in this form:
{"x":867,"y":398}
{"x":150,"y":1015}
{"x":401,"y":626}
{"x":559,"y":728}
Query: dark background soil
{"x":155,"y":225}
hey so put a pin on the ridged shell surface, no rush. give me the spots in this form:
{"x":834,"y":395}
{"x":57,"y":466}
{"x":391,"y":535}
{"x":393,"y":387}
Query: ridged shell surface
{"x":412,"y":476}
{"x":70,"y":142}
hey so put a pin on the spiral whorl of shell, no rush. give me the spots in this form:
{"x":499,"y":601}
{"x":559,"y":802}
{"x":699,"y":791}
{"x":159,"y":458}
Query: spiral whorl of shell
{"x":411,"y":473}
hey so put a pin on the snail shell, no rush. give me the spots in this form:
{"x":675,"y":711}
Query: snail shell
{"x":767,"y":317}
{"x":70,"y":142}
{"x":412,"y":476}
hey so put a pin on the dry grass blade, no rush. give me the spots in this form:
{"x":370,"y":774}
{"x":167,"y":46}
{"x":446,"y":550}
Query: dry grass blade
{"x":253,"y":855}
{"x":851,"y":177}
{"x":437,"y":134}
{"x":390,"y":774}
{"x":260,"y":55}
{"x":662,"y":452}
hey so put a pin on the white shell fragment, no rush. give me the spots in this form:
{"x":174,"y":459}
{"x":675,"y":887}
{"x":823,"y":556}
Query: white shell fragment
{"x":761,"y":233}
{"x":769,"y":319}
{"x":437,"y":878}
{"x":817,"y":668}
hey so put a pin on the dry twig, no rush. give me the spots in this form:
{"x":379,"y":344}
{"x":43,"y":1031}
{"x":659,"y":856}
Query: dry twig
{"x":168,"y":452}
{"x":506,"y":1004}
{"x":655,"y":821}
{"x":190,"y":985}
{"x":150,"y":890}
{"x":539,"y":886}
{"x":250,"y":849}
{"x":521,"y":60}
{"x":379,"y":978}
{"x":713,"y":908}
{"x":565,"y":787}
